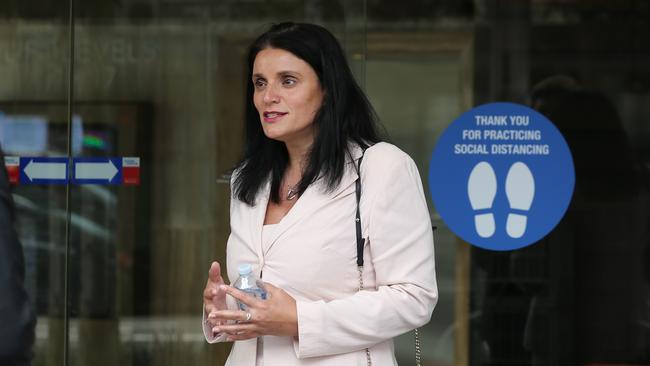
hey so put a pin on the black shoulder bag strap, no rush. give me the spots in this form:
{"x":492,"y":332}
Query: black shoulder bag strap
{"x":360,"y":240}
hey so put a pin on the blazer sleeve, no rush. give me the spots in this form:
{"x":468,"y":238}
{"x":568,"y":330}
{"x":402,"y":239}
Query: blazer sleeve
{"x":401,"y":243}
{"x":231,"y":303}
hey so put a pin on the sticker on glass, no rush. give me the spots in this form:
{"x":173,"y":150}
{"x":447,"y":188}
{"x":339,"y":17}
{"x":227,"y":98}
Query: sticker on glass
{"x":501,"y":176}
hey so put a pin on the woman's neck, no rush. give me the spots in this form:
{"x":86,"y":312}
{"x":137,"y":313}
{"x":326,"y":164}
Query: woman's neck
{"x":298,"y":155}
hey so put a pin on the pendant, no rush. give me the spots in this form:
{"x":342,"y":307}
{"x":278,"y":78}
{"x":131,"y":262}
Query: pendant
{"x":292,"y":193}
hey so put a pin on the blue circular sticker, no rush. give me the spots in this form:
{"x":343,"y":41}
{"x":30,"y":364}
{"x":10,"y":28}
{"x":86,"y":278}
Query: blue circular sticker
{"x":501,"y":176}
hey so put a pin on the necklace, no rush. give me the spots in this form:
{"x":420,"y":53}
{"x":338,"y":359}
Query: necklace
{"x":292,"y":192}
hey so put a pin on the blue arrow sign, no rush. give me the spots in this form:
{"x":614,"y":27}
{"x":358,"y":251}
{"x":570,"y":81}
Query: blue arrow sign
{"x":39,"y":170}
{"x":81,"y":170}
{"x":97,"y":170}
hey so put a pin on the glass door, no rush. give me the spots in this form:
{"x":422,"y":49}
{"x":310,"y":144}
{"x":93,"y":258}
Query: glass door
{"x":145,"y":99}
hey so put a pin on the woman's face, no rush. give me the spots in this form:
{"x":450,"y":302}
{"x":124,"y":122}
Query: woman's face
{"x":287,"y":96}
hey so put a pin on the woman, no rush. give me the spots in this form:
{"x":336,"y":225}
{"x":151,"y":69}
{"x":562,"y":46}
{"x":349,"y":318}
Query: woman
{"x":292,"y":216}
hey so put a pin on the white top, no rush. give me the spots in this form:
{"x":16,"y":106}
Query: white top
{"x":267,"y":234}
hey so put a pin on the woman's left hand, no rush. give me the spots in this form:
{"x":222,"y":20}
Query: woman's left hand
{"x":277,"y":315}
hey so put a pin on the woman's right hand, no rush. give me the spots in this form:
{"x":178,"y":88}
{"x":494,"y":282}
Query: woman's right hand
{"x":214,"y":298}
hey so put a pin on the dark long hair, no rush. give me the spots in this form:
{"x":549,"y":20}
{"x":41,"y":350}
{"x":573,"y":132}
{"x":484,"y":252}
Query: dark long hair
{"x":344,"y":116}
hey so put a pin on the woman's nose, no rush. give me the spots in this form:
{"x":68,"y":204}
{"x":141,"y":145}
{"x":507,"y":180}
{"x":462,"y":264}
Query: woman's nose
{"x":270,"y":96}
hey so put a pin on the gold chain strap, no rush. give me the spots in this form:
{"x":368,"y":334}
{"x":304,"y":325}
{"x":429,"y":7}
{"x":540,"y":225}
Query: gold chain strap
{"x":418,"y":350}
{"x":360,"y":289}
{"x":417,"y":347}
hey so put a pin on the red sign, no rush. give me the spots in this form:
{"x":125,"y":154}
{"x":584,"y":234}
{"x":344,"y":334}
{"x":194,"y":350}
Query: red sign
{"x":131,"y":171}
{"x":12,"y":163}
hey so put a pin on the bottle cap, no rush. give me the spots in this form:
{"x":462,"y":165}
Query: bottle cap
{"x":245,"y":269}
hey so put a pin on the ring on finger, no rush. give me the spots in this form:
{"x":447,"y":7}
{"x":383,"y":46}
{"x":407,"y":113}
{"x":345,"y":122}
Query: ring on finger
{"x":248,"y":316}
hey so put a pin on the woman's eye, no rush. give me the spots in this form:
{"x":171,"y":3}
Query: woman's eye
{"x":289,"y":81}
{"x":259,"y":83}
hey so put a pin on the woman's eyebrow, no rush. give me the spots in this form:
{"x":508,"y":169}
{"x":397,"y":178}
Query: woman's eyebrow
{"x":279,"y":73}
{"x":289,"y":73}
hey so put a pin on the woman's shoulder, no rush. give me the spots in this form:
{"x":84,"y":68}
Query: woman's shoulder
{"x":386,"y":154}
{"x":386,"y":167}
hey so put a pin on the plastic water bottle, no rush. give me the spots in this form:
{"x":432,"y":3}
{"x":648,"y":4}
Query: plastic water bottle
{"x":249,"y":283}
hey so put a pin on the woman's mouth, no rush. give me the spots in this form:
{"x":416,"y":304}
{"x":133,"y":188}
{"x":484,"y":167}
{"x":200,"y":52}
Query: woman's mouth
{"x":273,"y":116}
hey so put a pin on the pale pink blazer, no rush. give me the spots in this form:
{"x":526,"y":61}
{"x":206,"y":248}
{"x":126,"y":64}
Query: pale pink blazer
{"x":312,"y":256}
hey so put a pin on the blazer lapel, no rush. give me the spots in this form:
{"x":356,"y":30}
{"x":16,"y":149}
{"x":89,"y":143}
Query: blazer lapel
{"x":259,"y":213}
{"x":313,"y":198}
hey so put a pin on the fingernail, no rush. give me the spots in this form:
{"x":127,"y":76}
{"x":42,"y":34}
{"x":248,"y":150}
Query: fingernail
{"x":216,"y":330}
{"x":223,"y":287}
{"x":212,"y":315}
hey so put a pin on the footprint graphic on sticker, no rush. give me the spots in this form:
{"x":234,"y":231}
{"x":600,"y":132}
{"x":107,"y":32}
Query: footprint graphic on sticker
{"x":481,"y":189}
{"x":520,"y":191}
